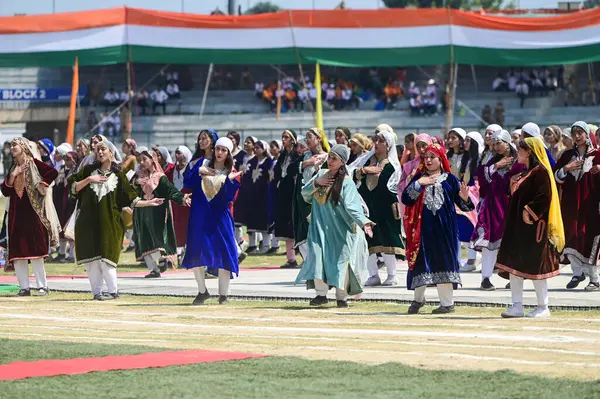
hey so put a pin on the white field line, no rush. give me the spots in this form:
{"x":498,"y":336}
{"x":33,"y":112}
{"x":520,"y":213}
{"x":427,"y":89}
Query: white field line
{"x":308,"y":338}
{"x":94,"y":338}
{"x":340,"y":322}
{"x":350,"y":331}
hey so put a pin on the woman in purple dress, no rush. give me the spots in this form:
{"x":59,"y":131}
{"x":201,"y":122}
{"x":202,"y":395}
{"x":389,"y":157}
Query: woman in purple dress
{"x":494,"y":203}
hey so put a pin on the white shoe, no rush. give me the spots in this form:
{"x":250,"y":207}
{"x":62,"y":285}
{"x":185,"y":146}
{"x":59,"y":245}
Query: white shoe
{"x":373,"y":281}
{"x":515,"y":310}
{"x":389,"y":281}
{"x":467,"y":267}
{"x":539,"y":312}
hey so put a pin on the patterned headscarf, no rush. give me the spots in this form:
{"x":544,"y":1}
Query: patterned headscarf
{"x":321,"y":134}
{"x":362,"y":141}
{"x":131,"y":143}
{"x":148,"y":180}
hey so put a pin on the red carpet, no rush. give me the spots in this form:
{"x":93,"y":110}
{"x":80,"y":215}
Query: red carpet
{"x":51,"y":368}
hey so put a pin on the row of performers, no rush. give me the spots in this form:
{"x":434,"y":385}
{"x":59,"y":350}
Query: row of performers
{"x":376,"y":172}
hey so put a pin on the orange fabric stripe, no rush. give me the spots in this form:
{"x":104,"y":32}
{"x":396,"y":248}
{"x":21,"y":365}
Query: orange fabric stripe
{"x":388,"y":18}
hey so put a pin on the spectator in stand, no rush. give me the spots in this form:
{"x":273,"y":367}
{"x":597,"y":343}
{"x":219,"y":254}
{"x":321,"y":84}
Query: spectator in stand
{"x":512,"y":80}
{"x":413,"y":90}
{"x":290,"y":98}
{"x":537,"y":86}
{"x":93,"y":93}
{"x":431,"y":97}
{"x":500,"y":84}
{"x":400,"y":77}
{"x":330,"y":96}
{"x":486,"y":115}
{"x":348,"y":98}
{"x":246,"y":79}
{"x":259,"y":87}
{"x":572,"y":91}
{"x":268,"y":97}
{"x":560,"y":77}
{"x":229,"y":81}
{"x":124,"y":97}
{"x":499,"y":114}
{"x":173,"y":90}
{"x":551,"y":82}
{"x":303,"y":98}
{"x":279,"y":96}
{"x":159,"y":97}
{"x":141,"y":99}
{"x":312,"y":93}
{"x":106,"y":125}
{"x":591,"y":92}
{"x":391,"y":92}
{"x":111,"y":99}
{"x":172,"y":76}
{"x":92,"y":120}
{"x":415,"y":105}
{"x":522,"y":91}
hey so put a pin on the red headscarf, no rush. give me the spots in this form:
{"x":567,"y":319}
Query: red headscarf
{"x":413,"y":213}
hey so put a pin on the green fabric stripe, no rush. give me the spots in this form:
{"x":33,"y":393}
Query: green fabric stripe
{"x":340,"y":57}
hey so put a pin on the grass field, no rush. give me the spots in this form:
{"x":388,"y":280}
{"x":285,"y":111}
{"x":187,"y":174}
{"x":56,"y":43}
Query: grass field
{"x":370,"y":349}
{"x":271,"y":377}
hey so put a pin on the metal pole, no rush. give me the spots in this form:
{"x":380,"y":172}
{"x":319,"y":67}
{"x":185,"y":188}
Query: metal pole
{"x":53,"y":6}
{"x":210,"y":71}
{"x":474,"y":78}
{"x":182,"y":6}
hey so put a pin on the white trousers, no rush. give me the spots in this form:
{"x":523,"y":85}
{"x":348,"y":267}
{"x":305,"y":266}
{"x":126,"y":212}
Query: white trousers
{"x":22,"y":272}
{"x":62,"y":246}
{"x":541,"y":291}
{"x":224,"y":277}
{"x":98,"y":272}
{"x":151,"y":261}
{"x":274,"y":241}
{"x":238,"y":234}
{"x":303,"y":249}
{"x":445,"y":292}
{"x":579,"y":268}
{"x":488,"y":261}
{"x":341,"y":294}
{"x":390,"y":264}
{"x":471,"y":253}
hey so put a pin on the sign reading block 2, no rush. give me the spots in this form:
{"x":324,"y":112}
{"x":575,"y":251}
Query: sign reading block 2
{"x":38,"y":95}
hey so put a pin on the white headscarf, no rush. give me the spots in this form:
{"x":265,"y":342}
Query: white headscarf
{"x":459,"y":131}
{"x":476,"y":136}
{"x":225,"y":142}
{"x":266,"y":147}
{"x":186,"y":153}
{"x":390,"y":138}
{"x":503,"y":135}
{"x":164,"y":151}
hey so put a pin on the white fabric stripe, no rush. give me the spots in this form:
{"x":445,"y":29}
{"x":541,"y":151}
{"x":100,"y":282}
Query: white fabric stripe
{"x":254,"y":39}
{"x":63,"y":41}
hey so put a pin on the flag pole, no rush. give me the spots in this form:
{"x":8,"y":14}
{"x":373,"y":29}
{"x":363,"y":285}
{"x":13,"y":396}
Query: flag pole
{"x":319,"y":110}
{"x":73,"y":106}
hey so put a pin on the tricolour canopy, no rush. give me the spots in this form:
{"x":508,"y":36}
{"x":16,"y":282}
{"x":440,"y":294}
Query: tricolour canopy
{"x":385,"y":37}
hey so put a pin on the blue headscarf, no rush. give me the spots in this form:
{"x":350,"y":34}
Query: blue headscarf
{"x":214,"y":136}
{"x":48,"y":146}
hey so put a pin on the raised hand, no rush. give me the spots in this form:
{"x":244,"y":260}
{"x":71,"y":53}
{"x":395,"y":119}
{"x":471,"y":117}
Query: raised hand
{"x":427,"y":180}
{"x":156,"y":201}
{"x":372,"y":170}
{"x":464,"y":192}
{"x":324,"y":181}
{"x":234,"y":175}
{"x":573,"y":165}
{"x":97,"y":179}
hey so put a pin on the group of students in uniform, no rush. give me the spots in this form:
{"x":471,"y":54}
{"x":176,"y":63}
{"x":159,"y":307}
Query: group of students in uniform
{"x":522,"y":200}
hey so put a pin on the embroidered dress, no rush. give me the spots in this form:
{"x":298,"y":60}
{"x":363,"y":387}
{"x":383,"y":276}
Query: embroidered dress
{"x":211,"y":240}
{"x":28,"y":235}
{"x":525,"y":250}
{"x":153,"y":226}
{"x":181,"y":213}
{"x":284,"y":179}
{"x":336,"y":241}
{"x":580,"y":205}
{"x":99,"y":225}
{"x":466,"y":220}
{"x":493,"y":206}
{"x":436,"y":261}
{"x":258,"y":219}
{"x":243,"y":207}
{"x":64,"y":204}
{"x":383,"y":210}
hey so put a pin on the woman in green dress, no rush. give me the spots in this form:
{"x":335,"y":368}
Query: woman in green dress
{"x":312,"y":161}
{"x":102,"y":191}
{"x":337,"y":249}
{"x":153,"y":229}
{"x":379,"y":180}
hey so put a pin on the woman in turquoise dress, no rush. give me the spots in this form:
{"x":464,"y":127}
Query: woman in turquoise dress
{"x":337,"y":249}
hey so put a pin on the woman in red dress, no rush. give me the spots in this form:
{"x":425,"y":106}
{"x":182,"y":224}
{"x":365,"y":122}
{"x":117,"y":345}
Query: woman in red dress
{"x":32,"y":225}
{"x":181,"y":214}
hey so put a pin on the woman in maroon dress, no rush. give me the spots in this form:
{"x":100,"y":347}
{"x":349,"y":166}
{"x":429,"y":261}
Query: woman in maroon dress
{"x":578,"y":174}
{"x":533,"y":234}
{"x":181,"y":213}
{"x":32,"y":221}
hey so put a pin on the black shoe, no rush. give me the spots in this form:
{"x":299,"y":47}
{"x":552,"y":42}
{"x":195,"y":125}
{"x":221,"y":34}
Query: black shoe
{"x":443,"y":310}
{"x":129,"y":249}
{"x":319,"y":300}
{"x":290,"y":265}
{"x":272,"y":251}
{"x":99,"y":297}
{"x":241,"y":257}
{"x":486,"y":285}
{"x":43,"y":291}
{"x":165,"y":265}
{"x":507,"y":286}
{"x":575,"y":281}
{"x":380,"y":263}
{"x":63,"y":259}
{"x":201,"y":298}
{"x":593,"y":286}
{"x":252,"y":249}
{"x":115,"y":295}
{"x":24,"y":292}
{"x":415,"y":307}
{"x":342,"y":304}
{"x":153,"y":274}
{"x":223,"y":300}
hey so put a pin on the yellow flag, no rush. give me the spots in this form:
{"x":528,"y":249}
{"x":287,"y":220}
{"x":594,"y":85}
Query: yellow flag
{"x":73,"y":108}
{"x":319,"y":110}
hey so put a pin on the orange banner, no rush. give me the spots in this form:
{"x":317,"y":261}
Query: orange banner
{"x":381,"y":18}
{"x":73,"y":109}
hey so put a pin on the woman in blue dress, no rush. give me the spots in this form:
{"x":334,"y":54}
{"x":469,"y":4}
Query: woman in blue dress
{"x":213,"y":247}
{"x":432,"y":247}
